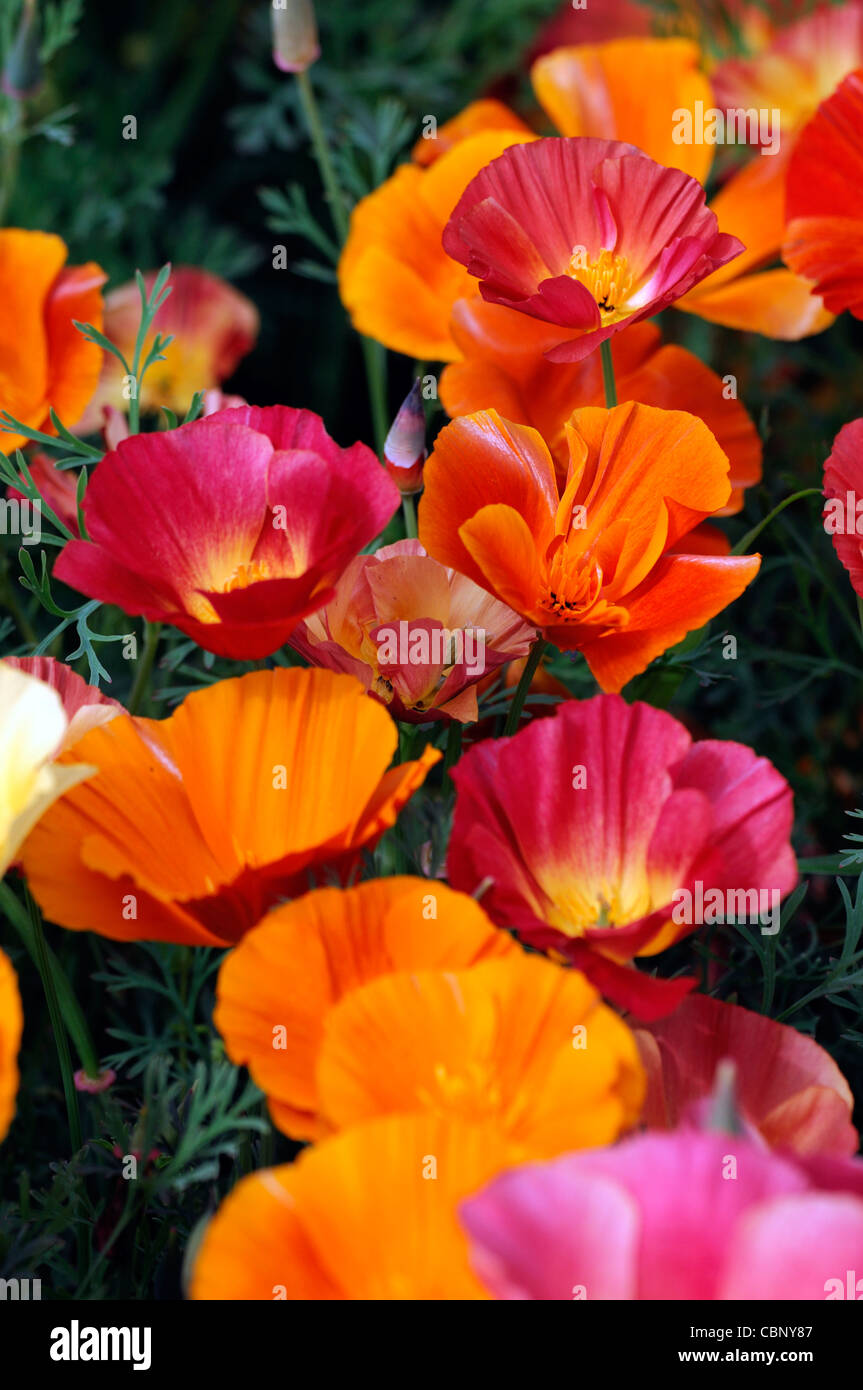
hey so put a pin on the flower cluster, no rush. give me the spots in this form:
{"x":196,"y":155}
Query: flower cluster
{"x":403,"y":775}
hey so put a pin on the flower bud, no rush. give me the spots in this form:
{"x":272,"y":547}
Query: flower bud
{"x":22,"y":73}
{"x":295,"y":35}
{"x":404,"y":449}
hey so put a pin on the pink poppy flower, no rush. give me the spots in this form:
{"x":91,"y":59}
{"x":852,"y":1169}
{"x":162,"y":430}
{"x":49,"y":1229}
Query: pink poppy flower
{"x":843,"y":489}
{"x":670,"y":1216}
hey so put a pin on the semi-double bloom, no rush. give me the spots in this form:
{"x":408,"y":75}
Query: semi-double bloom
{"x":196,"y":825}
{"x":45,"y":363}
{"x":231,"y":528}
{"x":600,"y":565}
{"x":400,"y":996}
{"x":679,"y":1216}
{"x":585,"y":827}
{"x":417,"y":634}
{"x":585,"y":234}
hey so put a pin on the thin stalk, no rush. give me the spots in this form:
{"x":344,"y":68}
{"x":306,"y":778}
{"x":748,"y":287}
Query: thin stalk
{"x":608,"y":374}
{"x":59,"y":1028}
{"x":743,"y":544}
{"x":73,"y":1014}
{"x":374,"y":356}
{"x":152,"y":632}
{"x":453,"y":747}
{"x":523,"y":686}
{"x":410,"y":511}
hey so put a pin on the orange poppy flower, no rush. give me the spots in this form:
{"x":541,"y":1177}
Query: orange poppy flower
{"x":484,"y":115}
{"x":395,"y":279}
{"x":824,"y":238}
{"x":369,"y":1214}
{"x":626,"y":89}
{"x":504,"y":369}
{"x":246,"y":791}
{"x":45,"y":363}
{"x":305,"y":956}
{"x":493,"y":1043}
{"x":11,"y":1025}
{"x":598,"y":566}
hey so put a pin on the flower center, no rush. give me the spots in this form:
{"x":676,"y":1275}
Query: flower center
{"x":250,"y":572}
{"x":575,"y":590}
{"x":608,"y":278}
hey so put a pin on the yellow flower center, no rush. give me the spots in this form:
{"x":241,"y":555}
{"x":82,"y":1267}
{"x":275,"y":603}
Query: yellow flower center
{"x":251,"y":572}
{"x":608,"y":278}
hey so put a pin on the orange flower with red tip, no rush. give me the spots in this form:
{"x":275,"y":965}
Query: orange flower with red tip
{"x":599,"y":565}
{"x":45,"y":363}
{"x":242,"y":795}
{"x":231,"y":528}
{"x":504,"y":369}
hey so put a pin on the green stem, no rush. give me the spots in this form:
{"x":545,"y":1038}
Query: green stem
{"x":410,"y":511}
{"x":744,"y":543}
{"x":335,"y":197}
{"x":152,"y":632}
{"x":59,"y":1028}
{"x":453,"y":747}
{"x":608,"y":374}
{"x":374,"y":355}
{"x":523,"y":686}
{"x":73,"y":1014}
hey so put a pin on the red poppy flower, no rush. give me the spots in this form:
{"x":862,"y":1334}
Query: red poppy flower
{"x":586,"y":234}
{"x":231,"y":528}
{"x":824,"y":205}
{"x":594,"y":824}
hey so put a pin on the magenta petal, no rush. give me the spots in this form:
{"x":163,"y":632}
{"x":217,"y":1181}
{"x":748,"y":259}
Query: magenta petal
{"x":797,"y":1247}
{"x":539,"y":1233}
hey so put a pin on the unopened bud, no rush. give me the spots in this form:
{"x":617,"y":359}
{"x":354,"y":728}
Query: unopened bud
{"x":22,"y":73}
{"x":404,"y":449}
{"x":295,"y":35}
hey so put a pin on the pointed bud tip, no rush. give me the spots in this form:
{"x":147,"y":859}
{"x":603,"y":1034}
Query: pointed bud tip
{"x":404,"y":447}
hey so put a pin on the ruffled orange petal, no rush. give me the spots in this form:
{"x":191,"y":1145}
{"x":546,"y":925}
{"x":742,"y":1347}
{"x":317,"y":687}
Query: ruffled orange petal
{"x":11,"y":1026}
{"x":395,"y":279}
{"x":29,"y":265}
{"x":626,"y":89}
{"x":243,"y":791}
{"x":777,"y":303}
{"x":486,"y":114}
{"x":520,"y":1043}
{"x":369,"y":1214}
{"x":682,"y":594}
{"x":476,"y":460}
{"x":503,"y":369}
{"x":292,"y":969}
